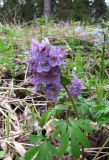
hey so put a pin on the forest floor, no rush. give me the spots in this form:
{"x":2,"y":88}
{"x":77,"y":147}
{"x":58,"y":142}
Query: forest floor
{"x":18,"y":98}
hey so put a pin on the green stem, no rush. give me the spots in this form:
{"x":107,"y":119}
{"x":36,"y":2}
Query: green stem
{"x":77,"y":115}
{"x":72,"y":101}
{"x":41,"y":32}
{"x":103,"y":60}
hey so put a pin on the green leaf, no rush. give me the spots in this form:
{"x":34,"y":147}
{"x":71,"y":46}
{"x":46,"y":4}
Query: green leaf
{"x":52,"y":149}
{"x":84,"y":109}
{"x":56,"y":132}
{"x":61,"y":95}
{"x":64,"y":140}
{"x":106,"y":110}
{"x":65,"y":80}
{"x":75,"y":148}
{"x":31,"y":153}
{"x":35,"y":138}
{"x":64,"y":134}
{"x":40,"y":156}
{"x":60,"y":107}
{"x":59,"y":123}
{"x":78,"y":134}
{"x":46,"y":151}
{"x":84,"y":125}
{"x":100,"y":92}
{"x":44,"y":154}
{"x":45,"y":117}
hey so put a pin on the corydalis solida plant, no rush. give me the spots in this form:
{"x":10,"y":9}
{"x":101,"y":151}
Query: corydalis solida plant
{"x":44,"y":65}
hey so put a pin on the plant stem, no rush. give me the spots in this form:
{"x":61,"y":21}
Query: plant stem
{"x":103,"y":59}
{"x":77,"y":115}
{"x":41,"y":32}
{"x":72,"y":101}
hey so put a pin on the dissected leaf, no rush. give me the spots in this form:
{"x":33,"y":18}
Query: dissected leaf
{"x":52,"y":149}
{"x":64,"y":140}
{"x":31,"y":153}
{"x":59,"y":123}
{"x":60,"y":107}
{"x":56,"y":132}
{"x":40,"y":156}
{"x":84,"y":125}
{"x":75,"y":147}
{"x":64,"y":136}
{"x":35,"y":138}
{"x":46,"y":151}
{"x":78,"y":134}
{"x":45,"y":117}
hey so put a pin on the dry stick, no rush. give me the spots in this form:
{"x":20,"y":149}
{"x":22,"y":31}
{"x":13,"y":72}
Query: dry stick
{"x":17,"y":88}
{"x":97,"y":148}
{"x":101,"y":149}
{"x":18,"y":134}
{"x":22,"y":88}
{"x":96,"y":152}
{"x":25,"y":78}
{"x":24,"y":144}
{"x":103,"y":156}
{"x":36,"y":109}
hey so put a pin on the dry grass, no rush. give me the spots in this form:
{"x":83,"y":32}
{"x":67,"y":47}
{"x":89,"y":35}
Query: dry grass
{"x":15,"y":130}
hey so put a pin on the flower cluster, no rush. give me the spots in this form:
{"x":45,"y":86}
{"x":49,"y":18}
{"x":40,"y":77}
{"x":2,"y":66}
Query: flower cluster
{"x":78,"y":29}
{"x":44,"y":64}
{"x":76,"y":87}
{"x":63,"y":23}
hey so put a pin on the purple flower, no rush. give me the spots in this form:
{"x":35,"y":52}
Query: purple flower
{"x":32,"y":65}
{"x":78,"y":29}
{"x":37,"y":87}
{"x":63,"y":23}
{"x":44,"y":65}
{"x":55,"y":56}
{"x":53,"y":76}
{"x":36,"y":46}
{"x":76,"y":87}
{"x":34,"y":49}
{"x":56,"y":52}
{"x":52,"y":90}
{"x":43,"y":110}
